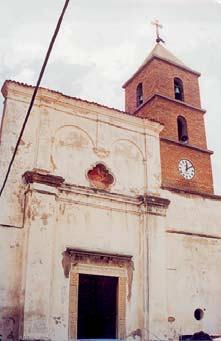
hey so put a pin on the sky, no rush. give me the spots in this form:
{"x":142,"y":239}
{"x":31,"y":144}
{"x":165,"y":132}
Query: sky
{"x":102,"y":43}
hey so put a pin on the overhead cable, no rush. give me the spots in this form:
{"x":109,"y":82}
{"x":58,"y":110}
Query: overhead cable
{"x":35,"y":93}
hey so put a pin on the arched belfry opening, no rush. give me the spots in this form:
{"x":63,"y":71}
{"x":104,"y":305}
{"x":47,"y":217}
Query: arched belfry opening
{"x":178,"y":89}
{"x":139,"y":94}
{"x":182,"y":129}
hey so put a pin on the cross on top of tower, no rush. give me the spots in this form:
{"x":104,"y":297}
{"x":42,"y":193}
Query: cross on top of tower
{"x":158,"y":25}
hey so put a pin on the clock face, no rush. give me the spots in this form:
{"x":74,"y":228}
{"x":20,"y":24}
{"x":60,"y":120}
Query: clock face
{"x":186,"y":169}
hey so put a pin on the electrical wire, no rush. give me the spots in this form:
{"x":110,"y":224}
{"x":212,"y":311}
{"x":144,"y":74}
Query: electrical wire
{"x":35,"y":92}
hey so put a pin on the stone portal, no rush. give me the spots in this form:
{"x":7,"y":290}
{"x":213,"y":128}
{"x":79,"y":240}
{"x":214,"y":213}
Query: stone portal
{"x":97,"y":307}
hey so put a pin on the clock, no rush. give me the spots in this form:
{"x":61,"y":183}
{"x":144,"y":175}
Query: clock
{"x":186,"y":169}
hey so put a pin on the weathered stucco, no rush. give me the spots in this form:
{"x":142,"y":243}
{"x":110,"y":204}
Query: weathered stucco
{"x":50,"y":205}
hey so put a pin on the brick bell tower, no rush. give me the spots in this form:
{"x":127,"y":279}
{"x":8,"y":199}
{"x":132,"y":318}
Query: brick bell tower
{"x":166,"y":90}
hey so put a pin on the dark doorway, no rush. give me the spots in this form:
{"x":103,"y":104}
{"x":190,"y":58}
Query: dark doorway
{"x":97,"y":307}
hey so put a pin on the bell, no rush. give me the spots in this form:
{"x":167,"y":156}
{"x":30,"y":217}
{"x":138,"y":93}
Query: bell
{"x":177,"y":90}
{"x":184,"y":138}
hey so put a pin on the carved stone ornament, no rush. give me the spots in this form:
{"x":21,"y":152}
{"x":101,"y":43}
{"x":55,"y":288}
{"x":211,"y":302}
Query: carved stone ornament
{"x":100,"y":177}
{"x":73,"y":257}
{"x":47,"y":179}
{"x":101,"y":152}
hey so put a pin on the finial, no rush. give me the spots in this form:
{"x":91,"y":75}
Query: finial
{"x":158,"y":25}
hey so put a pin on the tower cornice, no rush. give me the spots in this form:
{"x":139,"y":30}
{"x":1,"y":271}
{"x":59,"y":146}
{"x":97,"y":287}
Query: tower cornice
{"x":187,"y":145}
{"x":203,"y":111}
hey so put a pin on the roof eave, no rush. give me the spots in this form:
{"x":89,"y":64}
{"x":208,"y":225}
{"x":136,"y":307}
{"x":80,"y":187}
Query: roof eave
{"x":7,"y":82}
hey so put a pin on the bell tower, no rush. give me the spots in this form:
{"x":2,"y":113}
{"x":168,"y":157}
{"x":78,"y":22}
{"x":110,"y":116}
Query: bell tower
{"x":165,"y":89}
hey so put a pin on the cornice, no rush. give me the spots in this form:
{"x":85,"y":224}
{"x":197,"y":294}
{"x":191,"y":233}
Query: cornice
{"x":183,"y":190}
{"x":193,"y":234}
{"x":73,"y":105}
{"x":150,"y":99}
{"x":71,"y":193}
{"x":154,"y":201}
{"x":154,"y":205}
{"x":45,"y":179}
{"x":77,"y":190}
{"x":186,"y":145}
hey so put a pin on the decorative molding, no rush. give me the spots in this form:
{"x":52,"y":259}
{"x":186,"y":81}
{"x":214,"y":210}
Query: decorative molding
{"x":99,"y":193}
{"x":183,"y":190}
{"x":154,"y":204}
{"x":73,"y":306}
{"x":98,"y":255}
{"x":43,"y":178}
{"x":156,"y":201}
{"x":151,"y":98}
{"x":193,"y":234}
{"x":121,"y":325}
{"x":75,"y":256}
{"x":99,"y":270}
{"x":187,"y":145}
{"x":147,"y":199}
{"x":80,"y":261}
{"x":100,"y":176}
{"x":75,"y":105}
{"x":81,"y":108}
{"x":101,"y":152}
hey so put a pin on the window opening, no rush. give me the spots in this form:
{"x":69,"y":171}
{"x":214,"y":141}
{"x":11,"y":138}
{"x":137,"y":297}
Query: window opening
{"x":182,"y":129}
{"x":139,"y":94}
{"x":178,"y":89}
{"x":198,"y":314}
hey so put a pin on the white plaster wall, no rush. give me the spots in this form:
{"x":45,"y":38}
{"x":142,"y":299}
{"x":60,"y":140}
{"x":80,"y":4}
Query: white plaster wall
{"x":67,"y":137}
{"x":193,"y":258}
{"x":193,"y":282}
{"x":12,"y":200}
{"x":12,"y":209}
{"x":194,"y":214}
{"x":95,"y":229}
{"x":81,"y":142}
{"x":10,"y":280}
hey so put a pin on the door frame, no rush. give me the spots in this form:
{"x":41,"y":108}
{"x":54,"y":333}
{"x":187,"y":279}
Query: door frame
{"x":100,"y":270}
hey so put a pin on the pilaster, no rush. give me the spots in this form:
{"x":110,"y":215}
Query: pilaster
{"x":155,"y":291}
{"x":40,"y":224}
{"x":153,"y":168}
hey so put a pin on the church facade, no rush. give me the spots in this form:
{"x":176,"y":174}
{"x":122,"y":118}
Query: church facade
{"x":110,"y":228}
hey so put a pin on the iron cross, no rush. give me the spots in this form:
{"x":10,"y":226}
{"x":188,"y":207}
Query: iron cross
{"x":158,"y":25}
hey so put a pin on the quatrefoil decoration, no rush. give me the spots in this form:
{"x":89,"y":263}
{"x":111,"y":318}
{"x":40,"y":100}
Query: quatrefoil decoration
{"x":100,"y":177}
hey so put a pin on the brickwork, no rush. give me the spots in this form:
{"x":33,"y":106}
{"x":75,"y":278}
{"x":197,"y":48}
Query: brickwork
{"x":157,"y":78}
{"x":149,"y":79}
{"x":171,"y":155}
{"x":166,"y":112}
